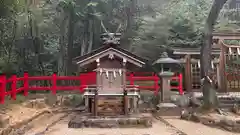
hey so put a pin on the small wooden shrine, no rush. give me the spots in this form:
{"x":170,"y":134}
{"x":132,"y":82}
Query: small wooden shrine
{"x":111,"y":95}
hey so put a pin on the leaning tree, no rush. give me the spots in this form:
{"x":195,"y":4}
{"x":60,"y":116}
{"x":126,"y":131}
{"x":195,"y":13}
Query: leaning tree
{"x":209,"y":94}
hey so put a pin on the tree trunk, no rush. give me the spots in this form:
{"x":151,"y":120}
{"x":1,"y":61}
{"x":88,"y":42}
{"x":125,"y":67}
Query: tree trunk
{"x":70,"y":41}
{"x":10,"y":49}
{"x":96,"y":33}
{"x":131,"y":13}
{"x":85,"y":37}
{"x":90,"y":30}
{"x":209,"y":93}
{"x":61,"y":59}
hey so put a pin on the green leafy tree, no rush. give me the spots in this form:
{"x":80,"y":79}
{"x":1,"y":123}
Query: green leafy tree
{"x":177,"y":24}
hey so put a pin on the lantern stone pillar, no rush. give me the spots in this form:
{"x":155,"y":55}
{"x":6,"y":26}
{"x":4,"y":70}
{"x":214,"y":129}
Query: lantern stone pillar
{"x":165,"y":86}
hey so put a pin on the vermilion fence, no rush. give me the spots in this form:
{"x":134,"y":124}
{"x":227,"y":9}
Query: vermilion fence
{"x":85,"y":79}
{"x":133,"y":77}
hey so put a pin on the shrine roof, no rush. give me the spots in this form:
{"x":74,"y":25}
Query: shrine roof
{"x":226,"y":35}
{"x":104,"y":49}
{"x":193,"y":51}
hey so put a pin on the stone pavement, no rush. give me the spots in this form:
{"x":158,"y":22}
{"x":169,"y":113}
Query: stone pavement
{"x":157,"y":129}
{"x":191,"y":128}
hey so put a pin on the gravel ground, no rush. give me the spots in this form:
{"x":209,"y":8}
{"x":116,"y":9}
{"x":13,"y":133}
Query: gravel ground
{"x":61,"y":128}
{"x":159,"y":128}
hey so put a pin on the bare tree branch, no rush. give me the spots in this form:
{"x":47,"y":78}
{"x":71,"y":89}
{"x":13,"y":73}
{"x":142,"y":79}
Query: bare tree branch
{"x":123,"y":27}
{"x":6,"y":50}
{"x":119,"y":26}
{"x":104,"y":28}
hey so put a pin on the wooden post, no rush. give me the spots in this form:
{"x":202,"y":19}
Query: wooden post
{"x":98,"y":76}
{"x":2,"y":87}
{"x":125,"y":96}
{"x":54,"y":83}
{"x":125,"y":102}
{"x":96,"y":102}
{"x":25,"y":83}
{"x":222,"y":69}
{"x":188,"y":75}
{"x":218,"y":76}
{"x":86,"y":100}
{"x":98,"y":83}
{"x":14,"y":86}
{"x":124,"y":76}
{"x":135,"y":103}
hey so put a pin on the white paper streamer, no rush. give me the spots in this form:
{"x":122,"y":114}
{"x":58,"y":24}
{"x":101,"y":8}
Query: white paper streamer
{"x":114,"y":74}
{"x":120,"y":72}
{"x":106,"y":73}
{"x":101,"y":71}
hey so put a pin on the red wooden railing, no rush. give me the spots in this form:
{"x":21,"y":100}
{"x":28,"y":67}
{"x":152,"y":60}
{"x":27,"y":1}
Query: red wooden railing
{"x":85,"y":79}
{"x":132,"y":77}
{"x":233,"y":76}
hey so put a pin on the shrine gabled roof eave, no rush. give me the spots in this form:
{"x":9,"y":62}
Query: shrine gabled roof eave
{"x":103,"y":51}
{"x":226,"y":35}
{"x":193,"y":51}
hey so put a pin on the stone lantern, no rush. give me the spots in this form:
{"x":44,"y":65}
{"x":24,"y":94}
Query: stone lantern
{"x":165,"y":76}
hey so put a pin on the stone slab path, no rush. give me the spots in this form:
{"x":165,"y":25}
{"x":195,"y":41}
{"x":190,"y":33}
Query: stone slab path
{"x":157,"y":129}
{"x":61,"y":128}
{"x":191,"y":128}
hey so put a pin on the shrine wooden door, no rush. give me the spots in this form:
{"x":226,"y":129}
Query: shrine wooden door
{"x":111,"y":81}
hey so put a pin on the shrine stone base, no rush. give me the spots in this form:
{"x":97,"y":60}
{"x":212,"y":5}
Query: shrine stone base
{"x":121,"y":121}
{"x":168,"y":109}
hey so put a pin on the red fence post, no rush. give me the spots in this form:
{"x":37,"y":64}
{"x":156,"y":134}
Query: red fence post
{"x":2,"y":88}
{"x":25,"y":83}
{"x":180,"y":84}
{"x":131,"y":79}
{"x":156,"y":79}
{"x":14,"y":86}
{"x":54,"y":83}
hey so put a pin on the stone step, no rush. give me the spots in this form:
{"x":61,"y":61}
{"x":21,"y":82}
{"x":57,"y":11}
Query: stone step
{"x":110,"y":97}
{"x":164,"y":111}
{"x":224,"y":99}
{"x":222,"y":105}
{"x":111,"y":122}
{"x":110,"y":113}
{"x":109,"y":102}
{"x":226,"y":102}
{"x":168,"y":109}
